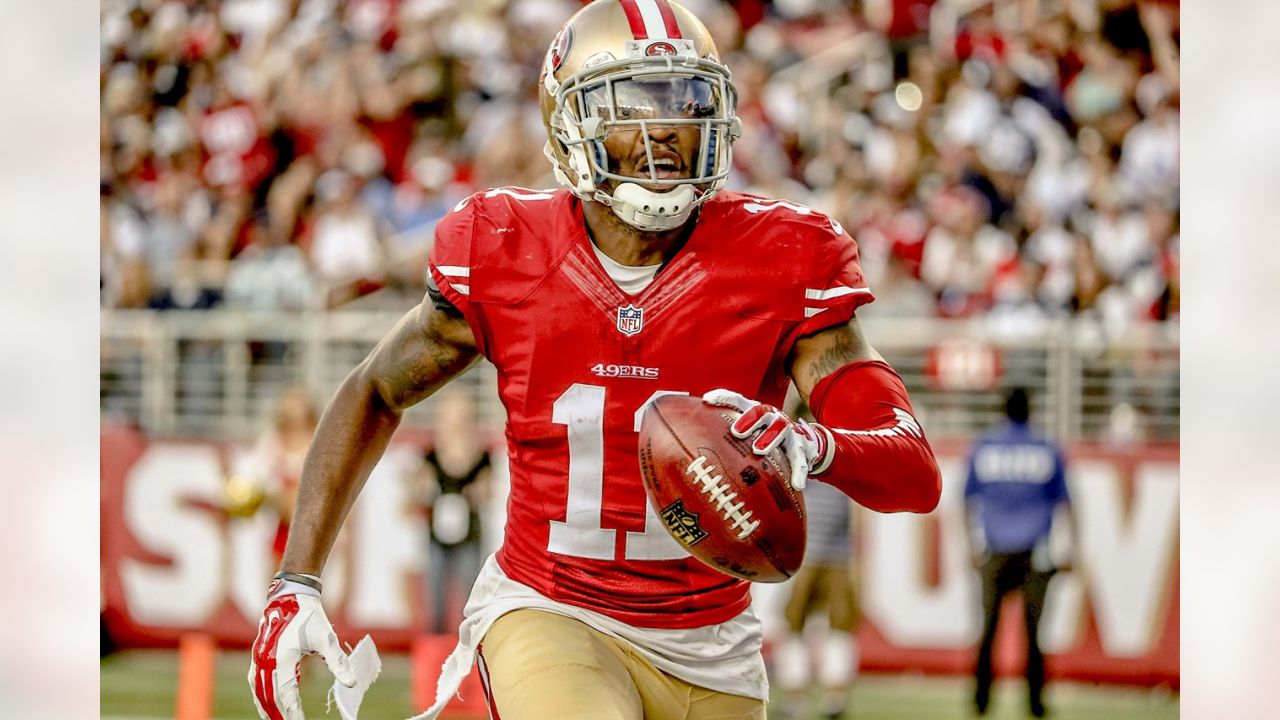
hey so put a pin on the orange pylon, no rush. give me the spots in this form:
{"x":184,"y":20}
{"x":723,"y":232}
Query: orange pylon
{"x":197,"y":656}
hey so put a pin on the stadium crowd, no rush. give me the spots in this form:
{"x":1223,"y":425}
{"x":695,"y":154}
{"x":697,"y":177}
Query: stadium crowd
{"x":1015,"y":159}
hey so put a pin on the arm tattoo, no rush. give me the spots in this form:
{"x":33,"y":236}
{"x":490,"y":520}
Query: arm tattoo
{"x":819,"y":355}
{"x":415,"y":361}
{"x":841,"y":352}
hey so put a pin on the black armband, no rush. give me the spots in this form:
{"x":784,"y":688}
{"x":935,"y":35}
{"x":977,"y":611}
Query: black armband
{"x":310,"y":581}
{"x":438,"y":299}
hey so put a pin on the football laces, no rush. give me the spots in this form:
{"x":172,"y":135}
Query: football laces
{"x":714,"y":487}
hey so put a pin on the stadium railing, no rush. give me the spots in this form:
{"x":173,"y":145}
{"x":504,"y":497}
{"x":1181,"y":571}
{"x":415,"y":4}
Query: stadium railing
{"x":216,"y":374}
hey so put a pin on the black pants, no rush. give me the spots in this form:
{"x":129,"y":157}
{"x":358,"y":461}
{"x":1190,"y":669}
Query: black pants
{"x":1003,"y":573}
{"x":453,"y":570}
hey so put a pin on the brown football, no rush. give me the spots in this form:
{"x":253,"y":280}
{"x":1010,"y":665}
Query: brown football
{"x":730,"y":508}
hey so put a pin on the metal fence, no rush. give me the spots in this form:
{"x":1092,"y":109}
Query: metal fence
{"x":216,"y":374}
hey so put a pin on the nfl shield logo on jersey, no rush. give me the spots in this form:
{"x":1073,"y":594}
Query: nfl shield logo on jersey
{"x":630,"y":320}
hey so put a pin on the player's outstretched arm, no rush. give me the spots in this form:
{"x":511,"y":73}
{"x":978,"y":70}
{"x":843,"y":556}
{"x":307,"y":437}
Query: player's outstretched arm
{"x":430,"y":345}
{"x":427,"y":347}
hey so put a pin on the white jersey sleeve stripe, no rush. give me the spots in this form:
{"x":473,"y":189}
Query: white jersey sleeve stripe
{"x":462,"y":289}
{"x":811,"y":311}
{"x":907,"y":425}
{"x":519,"y":195}
{"x":833,"y":292}
{"x":453,"y":271}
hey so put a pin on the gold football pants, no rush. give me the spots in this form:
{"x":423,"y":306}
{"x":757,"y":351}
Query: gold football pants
{"x":543,"y":666}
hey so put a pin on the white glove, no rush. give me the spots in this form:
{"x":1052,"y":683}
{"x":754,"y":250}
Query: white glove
{"x":293,"y":625}
{"x":808,"y":446}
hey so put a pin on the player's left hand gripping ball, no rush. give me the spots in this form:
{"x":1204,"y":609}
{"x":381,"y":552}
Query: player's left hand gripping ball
{"x":807,"y":445}
{"x":294,"y":624}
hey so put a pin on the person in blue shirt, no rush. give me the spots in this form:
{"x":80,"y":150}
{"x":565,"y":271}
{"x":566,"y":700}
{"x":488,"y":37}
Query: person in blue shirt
{"x":1016,"y":483}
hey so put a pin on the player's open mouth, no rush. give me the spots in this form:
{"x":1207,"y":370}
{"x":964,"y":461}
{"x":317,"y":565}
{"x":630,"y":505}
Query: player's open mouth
{"x":665,"y":166}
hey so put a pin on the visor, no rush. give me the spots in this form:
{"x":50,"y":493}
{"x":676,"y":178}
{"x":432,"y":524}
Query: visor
{"x":657,"y":98}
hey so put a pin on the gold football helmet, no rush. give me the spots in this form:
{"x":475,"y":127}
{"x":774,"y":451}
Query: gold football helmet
{"x":637,"y":64}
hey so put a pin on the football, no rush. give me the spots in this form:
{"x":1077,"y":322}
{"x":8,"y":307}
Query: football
{"x":731,"y":509}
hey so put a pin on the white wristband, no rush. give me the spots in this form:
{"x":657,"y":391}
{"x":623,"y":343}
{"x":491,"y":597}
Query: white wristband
{"x":828,"y":447}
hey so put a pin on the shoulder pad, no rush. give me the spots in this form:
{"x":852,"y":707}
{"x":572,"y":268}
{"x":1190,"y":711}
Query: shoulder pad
{"x":786,"y":249}
{"x":517,"y":237}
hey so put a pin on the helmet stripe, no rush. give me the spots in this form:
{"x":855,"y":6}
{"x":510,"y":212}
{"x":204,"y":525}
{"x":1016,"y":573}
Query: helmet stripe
{"x":651,"y":19}
{"x":668,"y":19}
{"x":635,"y":19}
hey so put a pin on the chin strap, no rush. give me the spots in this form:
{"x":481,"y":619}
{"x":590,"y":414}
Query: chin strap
{"x":652,"y":211}
{"x":640,"y":208}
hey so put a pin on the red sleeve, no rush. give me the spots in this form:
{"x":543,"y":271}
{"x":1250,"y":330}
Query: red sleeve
{"x":449,"y":264}
{"x":880,"y":456}
{"x":834,"y":287}
{"x":450,"y":261}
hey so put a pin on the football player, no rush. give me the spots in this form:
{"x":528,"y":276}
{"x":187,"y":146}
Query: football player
{"x":640,"y":277}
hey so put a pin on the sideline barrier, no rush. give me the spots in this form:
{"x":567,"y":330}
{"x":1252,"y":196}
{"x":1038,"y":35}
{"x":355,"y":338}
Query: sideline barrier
{"x":1116,"y":619}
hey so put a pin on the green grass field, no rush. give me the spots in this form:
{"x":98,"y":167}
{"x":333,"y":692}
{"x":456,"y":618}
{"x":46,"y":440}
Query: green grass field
{"x":140,"y":684}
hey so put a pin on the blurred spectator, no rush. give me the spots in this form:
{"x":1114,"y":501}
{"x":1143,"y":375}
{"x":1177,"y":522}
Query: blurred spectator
{"x":230,"y":129}
{"x":407,"y":212}
{"x":422,"y":198}
{"x":905,"y":23}
{"x":455,"y":486}
{"x":133,"y":291}
{"x":186,"y":290}
{"x":122,"y":253}
{"x":1052,"y":250}
{"x":963,"y":253}
{"x":1149,"y":153}
{"x":166,"y":235}
{"x":1099,"y":87}
{"x":824,"y":583}
{"x":1015,"y":309}
{"x":1016,"y":482}
{"x":899,"y":295}
{"x":1118,"y":233}
{"x":270,"y":473}
{"x":346,"y":252}
{"x":870,"y":111}
{"x":1090,"y":282}
{"x":270,"y":274}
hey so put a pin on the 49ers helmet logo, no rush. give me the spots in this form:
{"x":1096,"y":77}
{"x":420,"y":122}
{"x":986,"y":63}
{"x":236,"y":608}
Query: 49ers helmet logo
{"x":561,"y":47}
{"x":660,"y":48}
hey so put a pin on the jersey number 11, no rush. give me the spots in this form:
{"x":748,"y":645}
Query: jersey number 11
{"x":581,"y":410}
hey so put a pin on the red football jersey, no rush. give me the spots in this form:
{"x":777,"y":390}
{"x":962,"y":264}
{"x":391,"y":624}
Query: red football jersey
{"x":577,"y":358}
